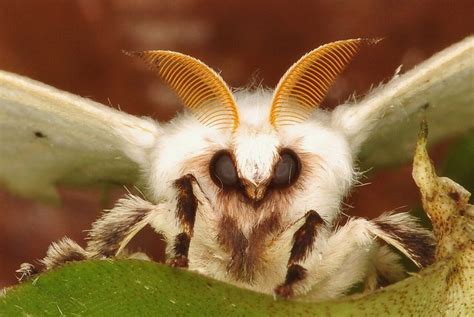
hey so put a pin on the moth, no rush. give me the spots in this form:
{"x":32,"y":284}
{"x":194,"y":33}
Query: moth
{"x":245,"y":186}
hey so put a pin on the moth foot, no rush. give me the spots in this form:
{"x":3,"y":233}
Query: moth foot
{"x":180,"y":261}
{"x":284,"y":291}
{"x":295,"y":274}
{"x":26,"y":272}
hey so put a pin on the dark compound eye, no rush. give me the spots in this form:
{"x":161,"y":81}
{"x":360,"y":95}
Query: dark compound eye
{"x":222,"y":170}
{"x":287,"y":169}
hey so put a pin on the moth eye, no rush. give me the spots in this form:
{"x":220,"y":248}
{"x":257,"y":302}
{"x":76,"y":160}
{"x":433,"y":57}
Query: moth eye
{"x":287,"y":169}
{"x":222,"y":170}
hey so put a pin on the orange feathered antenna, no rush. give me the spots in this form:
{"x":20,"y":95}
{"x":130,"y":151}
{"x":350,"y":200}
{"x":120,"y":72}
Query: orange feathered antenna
{"x":305,"y":84}
{"x":200,"y":88}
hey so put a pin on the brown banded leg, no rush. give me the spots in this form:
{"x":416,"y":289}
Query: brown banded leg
{"x":418,"y":243}
{"x":186,"y":214}
{"x":303,"y":242}
{"x":63,"y":251}
{"x":114,"y":229}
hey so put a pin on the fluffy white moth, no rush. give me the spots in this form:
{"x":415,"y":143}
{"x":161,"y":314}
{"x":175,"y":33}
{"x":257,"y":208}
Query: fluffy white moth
{"x":246,"y":187}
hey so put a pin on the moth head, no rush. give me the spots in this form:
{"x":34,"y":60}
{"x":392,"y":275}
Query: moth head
{"x":256,"y":153}
{"x":255,"y":164}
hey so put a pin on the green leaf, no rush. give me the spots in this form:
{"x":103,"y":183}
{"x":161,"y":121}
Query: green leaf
{"x":141,"y":288}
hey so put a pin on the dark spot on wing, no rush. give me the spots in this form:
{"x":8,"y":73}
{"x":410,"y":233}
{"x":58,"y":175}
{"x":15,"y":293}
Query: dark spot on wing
{"x":39,"y":134}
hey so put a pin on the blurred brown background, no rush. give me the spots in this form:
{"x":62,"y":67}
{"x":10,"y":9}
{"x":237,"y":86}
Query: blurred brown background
{"x":76,"y":46}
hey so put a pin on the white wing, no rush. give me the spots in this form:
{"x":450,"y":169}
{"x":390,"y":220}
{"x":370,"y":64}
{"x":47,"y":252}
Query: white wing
{"x":386,"y":117}
{"x":48,"y":136}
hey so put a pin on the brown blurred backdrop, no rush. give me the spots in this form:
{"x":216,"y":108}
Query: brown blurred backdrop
{"x":76,"y":46}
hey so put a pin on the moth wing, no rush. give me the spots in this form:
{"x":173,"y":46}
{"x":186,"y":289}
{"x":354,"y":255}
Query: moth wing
{"x":50,"y":137}
{"x":387,"y":120}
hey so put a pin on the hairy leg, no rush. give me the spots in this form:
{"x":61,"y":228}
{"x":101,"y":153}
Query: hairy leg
{"x":115,"y":228}
{"x":385,"y":269}
{"x":403,"y":232}
{"x":302,"y":245}
{"x":59,"y":253}
{"x":111,"y":233}
{"x":354,"y":253}
{"x":186,"y":214}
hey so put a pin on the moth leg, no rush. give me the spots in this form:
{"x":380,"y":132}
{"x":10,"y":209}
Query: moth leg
{"x":385,"y":268}
{"x":109,"y":234}
{"x":113,"y":231}
{"x":403,"y":232}
{"x":302,"y":245}
{"x":26,"y":271}
{"x":337,"y":262}
{"x":358,"y":252}
{"x":63,"y":251}
{"x":186,"y":207}
{"x":59,"y":253}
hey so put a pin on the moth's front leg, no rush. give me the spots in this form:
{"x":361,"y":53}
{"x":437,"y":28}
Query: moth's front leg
{"x":175,"y":221}
{"x":355,"y":252}
{"x":186,"y":207}
{"x":327,"y":263}
{"x":107,"y":238}
{"x":111,"y":233}
{"x":302,"y":245}
{"x":346,"y":257}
